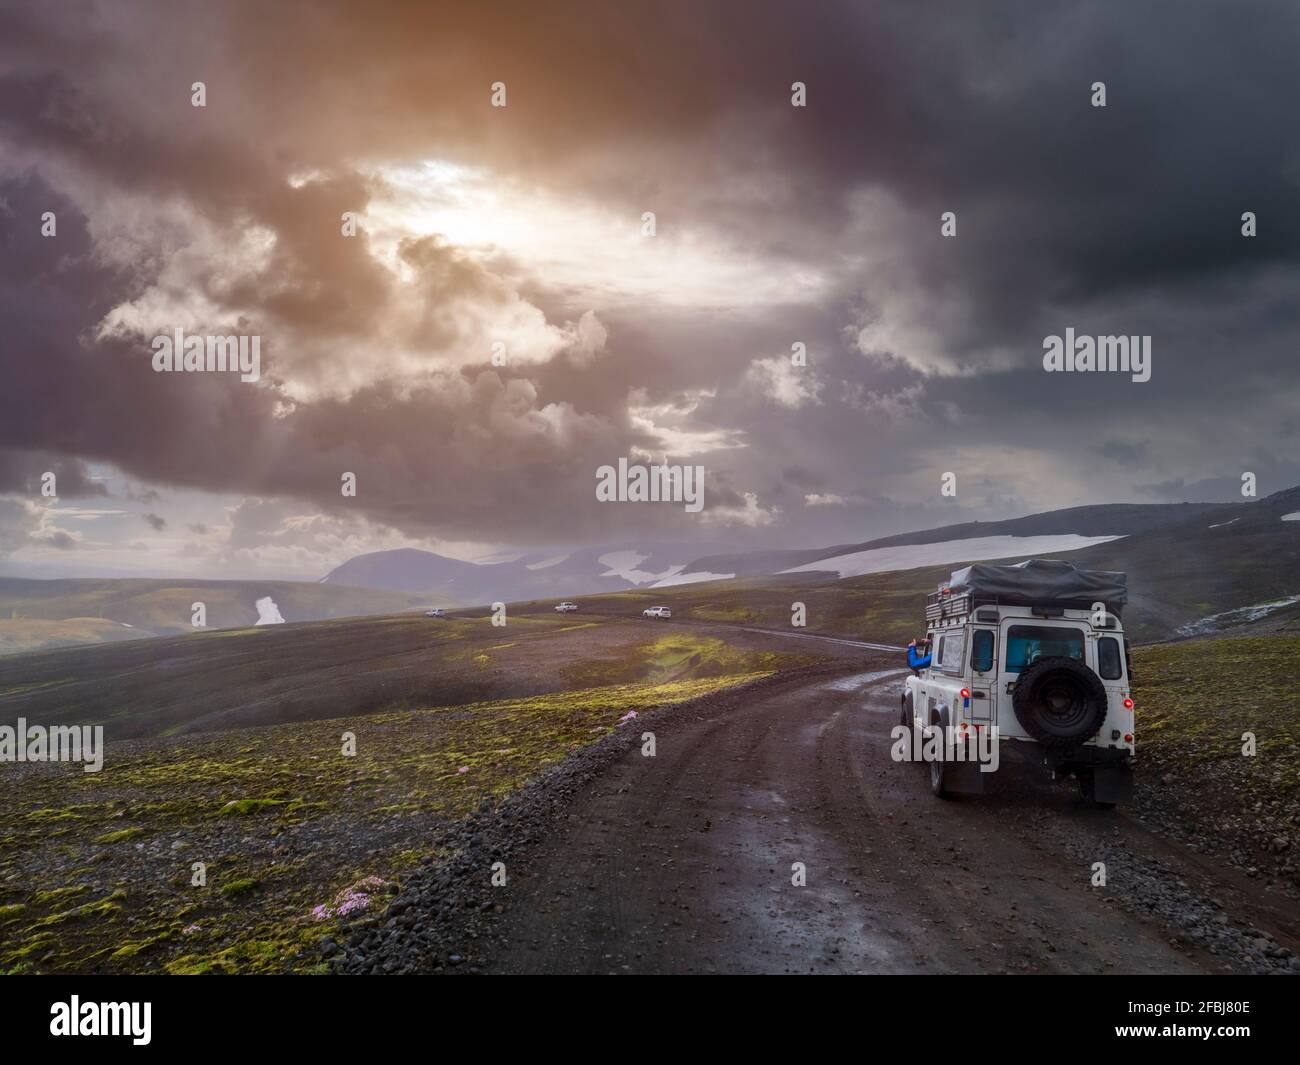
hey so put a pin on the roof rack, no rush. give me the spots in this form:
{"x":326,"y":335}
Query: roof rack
{"x":943,"y":604}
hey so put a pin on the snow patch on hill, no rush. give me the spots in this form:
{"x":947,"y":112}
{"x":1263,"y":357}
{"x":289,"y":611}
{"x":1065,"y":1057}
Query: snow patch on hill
{"x":914,"y":556}
{"x":624,"y":564}
{"x":546,"y":563}
{"x":267,"y":612}
{"x":690,"y":578}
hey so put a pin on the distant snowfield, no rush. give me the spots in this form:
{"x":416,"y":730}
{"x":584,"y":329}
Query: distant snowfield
{"x":1225,"y":524}
{"x":268,"y":613}
{"x":1293,"y":516}
{"x":546,"y":563}
{"x":690,"y":578}
{"x":625,"y":564}
{"x":914,"y":556}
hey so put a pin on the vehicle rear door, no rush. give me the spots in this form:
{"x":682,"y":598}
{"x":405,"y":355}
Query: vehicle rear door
{"x":984,"y":674}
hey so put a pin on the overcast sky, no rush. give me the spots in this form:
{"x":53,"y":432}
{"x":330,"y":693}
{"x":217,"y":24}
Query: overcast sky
{"x":774,"y":225}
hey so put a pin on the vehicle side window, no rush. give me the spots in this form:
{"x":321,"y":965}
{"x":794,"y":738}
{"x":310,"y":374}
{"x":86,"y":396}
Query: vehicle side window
{"x":1028,"y":643}
{"x":981,"y":651}
{"x":951,"y":656}
{"x":1108,"y":664}
{"x":936,"y":656}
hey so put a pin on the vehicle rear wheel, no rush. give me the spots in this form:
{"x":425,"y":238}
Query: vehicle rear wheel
{"x":938,"y":766}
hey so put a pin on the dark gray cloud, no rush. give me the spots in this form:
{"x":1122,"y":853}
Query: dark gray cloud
{"x":923,"y":352}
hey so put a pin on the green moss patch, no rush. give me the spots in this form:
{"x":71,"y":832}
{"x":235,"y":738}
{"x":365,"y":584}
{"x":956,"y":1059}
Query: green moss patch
{"x":120,"y":836}
{"x":267,"y":896}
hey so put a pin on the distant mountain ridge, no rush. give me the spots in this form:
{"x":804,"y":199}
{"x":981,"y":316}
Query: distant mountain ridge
{"x":451,"y":582}
{"x":623,"y":566}
{"x":1103,"y":519}
{"x":1186,"y":562}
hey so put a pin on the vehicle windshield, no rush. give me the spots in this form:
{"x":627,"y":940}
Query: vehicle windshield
{"x":1028,"y":643}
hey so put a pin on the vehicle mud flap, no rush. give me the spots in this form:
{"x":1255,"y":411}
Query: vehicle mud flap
{"x":1112,"y":784}
{"x":963,"y":778}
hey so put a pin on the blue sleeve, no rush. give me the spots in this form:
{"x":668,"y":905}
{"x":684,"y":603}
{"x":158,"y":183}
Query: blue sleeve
{"x":915,"y":661}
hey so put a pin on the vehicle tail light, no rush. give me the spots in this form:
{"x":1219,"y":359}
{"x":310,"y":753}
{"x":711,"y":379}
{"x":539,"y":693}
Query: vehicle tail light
{"x":1128,"y":704}
{"x":1128,"y":737}
{"x":965,"y":693}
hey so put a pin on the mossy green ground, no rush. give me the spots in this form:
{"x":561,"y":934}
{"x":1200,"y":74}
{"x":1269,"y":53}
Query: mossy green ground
{"x":283,"y":819}
{"x":1196,"y":700}
{"x":879,"y":607}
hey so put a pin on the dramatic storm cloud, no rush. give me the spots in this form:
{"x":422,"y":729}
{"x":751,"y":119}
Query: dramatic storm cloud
{"x":502,"y":324}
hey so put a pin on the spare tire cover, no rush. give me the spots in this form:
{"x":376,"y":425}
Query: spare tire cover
{"x":1059,"y":701}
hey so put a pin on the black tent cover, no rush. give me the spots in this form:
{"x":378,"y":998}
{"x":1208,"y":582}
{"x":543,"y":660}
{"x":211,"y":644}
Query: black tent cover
{"x":1041,"y":581}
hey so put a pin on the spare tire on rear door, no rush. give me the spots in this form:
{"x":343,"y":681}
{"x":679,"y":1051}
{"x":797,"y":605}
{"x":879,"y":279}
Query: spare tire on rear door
{"x":1059,"y":701}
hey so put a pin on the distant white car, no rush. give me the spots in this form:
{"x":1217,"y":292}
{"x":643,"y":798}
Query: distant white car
{"x":656,"y":612}
{"x":436,"y":612}
{"x":566,"y":607}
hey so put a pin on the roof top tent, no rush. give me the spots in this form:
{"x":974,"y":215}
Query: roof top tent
{"x":1044,"y":583}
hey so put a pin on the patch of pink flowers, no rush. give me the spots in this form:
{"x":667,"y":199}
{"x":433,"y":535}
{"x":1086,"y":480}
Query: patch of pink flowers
{"x":629,"y":716}
{"x":463,"y":769}
{"x":355,"y":897}
{"x":190,"y":930}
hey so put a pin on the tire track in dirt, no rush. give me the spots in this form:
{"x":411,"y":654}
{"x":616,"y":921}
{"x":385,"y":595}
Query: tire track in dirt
{"x":682,"y":863}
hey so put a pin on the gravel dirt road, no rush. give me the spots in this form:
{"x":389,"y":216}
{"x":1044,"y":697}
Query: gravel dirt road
{"x":684,"y":862}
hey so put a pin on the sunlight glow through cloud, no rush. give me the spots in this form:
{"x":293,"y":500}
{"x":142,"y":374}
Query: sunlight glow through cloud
{"x":597,"y":255}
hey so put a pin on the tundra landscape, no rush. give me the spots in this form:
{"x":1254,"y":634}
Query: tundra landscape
{"x":728,"y":488}
{"x":229,"y":748}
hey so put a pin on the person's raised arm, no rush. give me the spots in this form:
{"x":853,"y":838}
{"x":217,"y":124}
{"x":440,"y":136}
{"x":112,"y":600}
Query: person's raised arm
{"x":915,"y":660}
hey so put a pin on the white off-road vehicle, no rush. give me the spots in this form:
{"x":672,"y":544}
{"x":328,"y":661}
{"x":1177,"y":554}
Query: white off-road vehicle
{"x":1033,"y":653}
{"x":566,"y":607}
{"x":656,"y":612}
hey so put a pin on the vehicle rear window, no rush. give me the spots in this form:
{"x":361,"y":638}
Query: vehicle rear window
{"x":1108,"y":663}
{"x":1028,"y":643}
{"x":981,"y":651}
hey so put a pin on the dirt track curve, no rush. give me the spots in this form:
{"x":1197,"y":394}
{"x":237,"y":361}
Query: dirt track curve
{"x":683,"y":862}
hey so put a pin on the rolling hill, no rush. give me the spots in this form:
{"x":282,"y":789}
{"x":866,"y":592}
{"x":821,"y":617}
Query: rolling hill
{"x":1102,"y":520}
{"x":1193,"y":568}
{"x":1231,"y":567}
{"x":37,"y":614}
{"x":626,"y":566}
{"x":580,"y":571}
